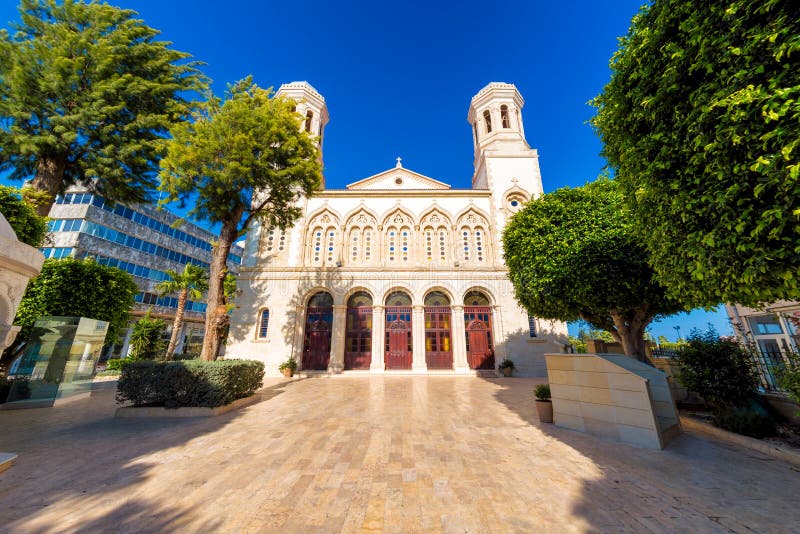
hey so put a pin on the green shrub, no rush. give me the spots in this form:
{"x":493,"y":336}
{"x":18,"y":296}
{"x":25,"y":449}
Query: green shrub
{"x":719,"y":370}
{"x":506,"y":364}
{"x":186,"y":356}
{"x":542,"y":391}
{"x":189,"y":383}
{"x":746,"y":421}
{"x":789,"y":378}
{"x":291,"y":363}
{"x":115,"y":364}
{"x":146,"y":342}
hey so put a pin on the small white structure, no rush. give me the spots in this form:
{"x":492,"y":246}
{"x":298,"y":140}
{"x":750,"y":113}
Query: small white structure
{"x":612,"y":396}
{"x":18,"y":264}
{"x":398,"y":271}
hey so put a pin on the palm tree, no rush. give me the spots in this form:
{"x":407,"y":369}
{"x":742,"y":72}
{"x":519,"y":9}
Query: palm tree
{"x":191,"y":283}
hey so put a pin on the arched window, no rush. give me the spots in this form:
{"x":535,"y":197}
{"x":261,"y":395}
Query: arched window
{"x":367,"y":244}
{"x":405,"y":238}
{"x":479,"y":236}
{"x":442,"y":244}
{"x":504,"y":116}
{"x":330,"y":244}
{"x":429,"y":244}
{"x":466,"y":243}
{"x":487,"y":117}
{"x":473,"y":240}
{"x":276,"y":240}
{"x":476,"y":298}
{"x":355,"y":244}
{"x":436,"y":298}
{"x":398,"y":298}
{"x":391,"y":243}
{"x":317,"y":245}
{"x":263,"y":324}
{"x":309,"y":117}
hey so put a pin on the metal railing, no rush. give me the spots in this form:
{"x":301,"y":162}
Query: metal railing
{"x":769,"y":365}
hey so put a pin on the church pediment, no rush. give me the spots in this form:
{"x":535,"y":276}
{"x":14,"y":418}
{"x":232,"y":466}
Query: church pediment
{"x":398,"y":178}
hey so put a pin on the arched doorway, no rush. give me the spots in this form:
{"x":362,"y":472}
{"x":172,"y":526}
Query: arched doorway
{"x":358,"y":332}
{"x":438,"y":346}
{"x":397,"y":339}
{"x":478,"y":326}
{"x":317,"y":343}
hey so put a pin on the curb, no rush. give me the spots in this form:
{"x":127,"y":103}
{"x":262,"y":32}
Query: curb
{"x":6,"y":460}
{"x":189,"y":411}
{"x":774,"y":451}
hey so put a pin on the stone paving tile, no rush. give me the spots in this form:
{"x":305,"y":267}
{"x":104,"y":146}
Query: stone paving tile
{"x":386,"y":454}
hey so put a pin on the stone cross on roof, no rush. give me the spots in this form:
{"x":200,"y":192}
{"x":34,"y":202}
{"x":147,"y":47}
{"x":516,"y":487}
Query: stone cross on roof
{"x":399,"y":165}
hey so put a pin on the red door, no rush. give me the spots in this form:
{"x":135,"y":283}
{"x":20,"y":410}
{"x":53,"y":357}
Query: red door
{"x":358,"y":338}
{"x":398,"y":353}
{"x":478,"y":322}
{"x":317,"y":347}
{"x":438,"y":349}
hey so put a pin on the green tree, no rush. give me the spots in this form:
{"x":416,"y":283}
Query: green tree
{"x":242,"y":159}
{"x":701,"y":125}
{"x":572,"y":254}
{"x":146,"y":343}
{"x":190,"y":284}
{"x":26,"y":223}
{"x":87,"y":95}
{"x":80,"y":288}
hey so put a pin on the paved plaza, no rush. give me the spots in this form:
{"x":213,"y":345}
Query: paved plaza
{"x":374,"y":454}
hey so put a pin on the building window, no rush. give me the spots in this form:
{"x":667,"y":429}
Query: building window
{"x":429,"y":244}
{"x":392,"y":235}
{"x":355,"y":242}
{"x":331,"y":240}
{"x":465,"y":237}
{"x":263,"y":324}
{"x":487,"y":117}
{"x":504,"y":116}
{"x":479,"y":244}
{"x":531,"y":326}
{"x":309,"y":117}
{"x":765,"y":324}
{"x":317,"y":245}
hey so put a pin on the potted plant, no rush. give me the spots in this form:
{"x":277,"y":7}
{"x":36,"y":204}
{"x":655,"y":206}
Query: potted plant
{"x":543,"y":403}
{"x":288,"y":367}
{"x":506,"y":367}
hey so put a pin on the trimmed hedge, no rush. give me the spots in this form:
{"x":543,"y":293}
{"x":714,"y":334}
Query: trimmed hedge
{"x":188,"y":383}
{"x":115,"y":364}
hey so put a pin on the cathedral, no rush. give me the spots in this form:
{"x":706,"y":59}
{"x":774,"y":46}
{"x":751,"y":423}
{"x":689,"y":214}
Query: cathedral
{"x":398,"y":272}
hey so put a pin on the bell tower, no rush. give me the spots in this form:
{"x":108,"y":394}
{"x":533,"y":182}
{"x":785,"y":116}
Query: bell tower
{"x":311,"y":107}
{"x":504,"y":162}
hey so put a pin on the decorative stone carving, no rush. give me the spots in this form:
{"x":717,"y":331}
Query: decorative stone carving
{"x":18,"y":264}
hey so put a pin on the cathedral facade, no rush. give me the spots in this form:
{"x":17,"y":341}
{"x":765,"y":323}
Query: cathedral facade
{"x":398,"y":272}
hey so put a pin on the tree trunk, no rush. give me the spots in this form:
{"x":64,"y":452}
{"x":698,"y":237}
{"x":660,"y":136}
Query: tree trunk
{"x":630,"y":334}
{"x":49,"y":175}
{"x":216,"y":310}
{"x":176,"y":326}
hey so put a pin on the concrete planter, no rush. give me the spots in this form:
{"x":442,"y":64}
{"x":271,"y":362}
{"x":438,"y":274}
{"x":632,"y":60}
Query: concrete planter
{"x":288,"y":373}
{"x":545,"y":409}
{"x":507,"y":371}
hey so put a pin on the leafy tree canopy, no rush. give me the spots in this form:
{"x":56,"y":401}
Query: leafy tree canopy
{"x":573,"y":254}
{"x":242,"y":159}
{"x":87,"y":95}
{"x":701,"y":124}
{"x":29,"y":227}
{"x":80,"y":288}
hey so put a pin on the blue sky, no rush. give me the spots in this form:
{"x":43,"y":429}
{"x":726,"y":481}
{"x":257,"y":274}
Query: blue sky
{"x":398,"y":76}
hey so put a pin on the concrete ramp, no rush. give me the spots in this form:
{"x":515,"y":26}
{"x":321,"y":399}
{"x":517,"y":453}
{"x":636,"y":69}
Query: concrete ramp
{"x":614,"y":397}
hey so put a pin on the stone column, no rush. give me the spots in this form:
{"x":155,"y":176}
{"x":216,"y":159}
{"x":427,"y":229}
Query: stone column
{"x":299,"y":336}
{"x":499,"y":348}
{"x":377,"y":365}
{"x":418,"y":363}
{"x":459,"y":336}
{"x":336,"y":362}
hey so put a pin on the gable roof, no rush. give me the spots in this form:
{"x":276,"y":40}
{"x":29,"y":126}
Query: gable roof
{"x":398,"y":178}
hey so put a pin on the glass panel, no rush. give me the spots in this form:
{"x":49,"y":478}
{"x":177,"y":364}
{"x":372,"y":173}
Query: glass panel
{"x":766,"y":324}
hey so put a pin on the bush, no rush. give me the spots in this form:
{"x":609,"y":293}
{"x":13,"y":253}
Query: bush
{"x":506,"y":364}
{"x":291,"y":363}
{"x":746,"y":421}
{"x":146,"y":342}
{"x":188,"y":383}
{"x":719,"y":370}
{"x":789,"y":378}
{"x":115,"y":364}
{"x":542,"y":391}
